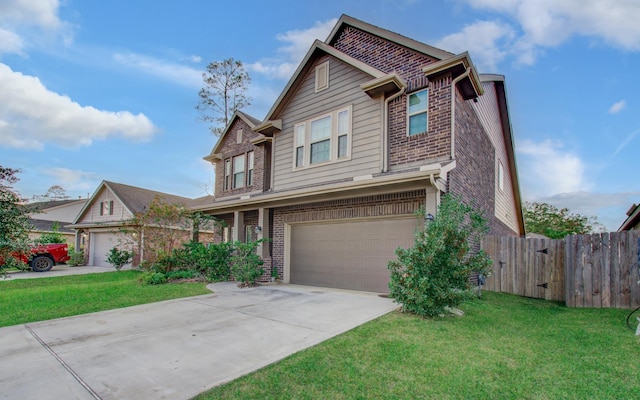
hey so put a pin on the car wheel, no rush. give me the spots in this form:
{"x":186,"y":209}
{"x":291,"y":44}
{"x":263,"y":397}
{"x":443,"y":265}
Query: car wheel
{"x":41,"y":263}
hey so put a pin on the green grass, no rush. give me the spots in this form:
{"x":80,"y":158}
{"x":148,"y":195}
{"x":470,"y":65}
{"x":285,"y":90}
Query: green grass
{"x":505,"y":347}
{"x":29,"y":300}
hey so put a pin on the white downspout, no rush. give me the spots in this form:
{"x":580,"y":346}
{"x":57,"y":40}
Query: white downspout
{"x":453,"y":110}
{"x":385,"y":128}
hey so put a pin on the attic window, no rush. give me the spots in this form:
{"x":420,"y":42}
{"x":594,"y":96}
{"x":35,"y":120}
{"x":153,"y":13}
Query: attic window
{"x":239,"y":136}
{"x":322,"y":76}
{"x":106,"y":207}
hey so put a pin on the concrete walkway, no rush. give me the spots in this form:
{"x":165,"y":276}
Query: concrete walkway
{"x":175,"y":349}
{"x":58,"y":270}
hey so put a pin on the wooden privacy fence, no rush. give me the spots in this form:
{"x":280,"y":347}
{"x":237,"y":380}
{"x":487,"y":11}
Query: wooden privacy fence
{"x":599,"y":270}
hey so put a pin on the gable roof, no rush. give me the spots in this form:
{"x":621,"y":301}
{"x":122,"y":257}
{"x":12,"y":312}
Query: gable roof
{"x":46,"y":205}
{"x":346,"y":20}
{"x":507,"y":132}
{"x":248,"y":119}
{"x":318,"y":48}
{"x":633,"y":218}
{"x":133,"y":198}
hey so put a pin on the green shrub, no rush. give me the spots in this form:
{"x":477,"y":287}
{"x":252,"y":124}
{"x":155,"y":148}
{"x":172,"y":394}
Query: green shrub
{"x":153,"y":278}
{"x":181,"y":274}
{"x":246,"y":264}
{"x":51,"y":237}
{"x":434,"y":273}
{"x":75,"y":258}
{"x":118,"y":258}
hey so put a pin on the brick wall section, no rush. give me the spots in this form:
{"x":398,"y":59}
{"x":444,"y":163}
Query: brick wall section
{"x":382,"y":54}
{"x":436,"y":142}
{"x":231,"y":148}
{"x":391,"y":57}
{"x":473,"y":179}
{"x":371,"y":206}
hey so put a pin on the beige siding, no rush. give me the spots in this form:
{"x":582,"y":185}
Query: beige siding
{"x":344,"y":90}
{"x":92,"y":213}
{"x":489,"y":114}
{"x":64,"y":213}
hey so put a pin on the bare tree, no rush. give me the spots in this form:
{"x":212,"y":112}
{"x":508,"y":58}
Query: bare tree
{"x":225,"y":84}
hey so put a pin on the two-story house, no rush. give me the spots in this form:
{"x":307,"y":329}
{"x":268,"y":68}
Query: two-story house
{"x":371,"y":127}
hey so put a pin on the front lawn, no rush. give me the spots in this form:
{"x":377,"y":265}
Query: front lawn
{"x":29,"y":300}
{"x":505,"y":347}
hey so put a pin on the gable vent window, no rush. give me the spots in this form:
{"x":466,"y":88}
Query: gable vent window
{"x":239,"y":136}
{"x":324,"y":139}
{"x":417,"y":110}
{"x":106,"y":207}
{"x":322,"y":76}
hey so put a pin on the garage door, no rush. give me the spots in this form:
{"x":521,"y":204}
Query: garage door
{"x":101,"y":244}
{"x":348,"y":255}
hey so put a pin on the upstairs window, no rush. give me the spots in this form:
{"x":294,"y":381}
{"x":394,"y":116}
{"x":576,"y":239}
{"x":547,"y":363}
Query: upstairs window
{"x":227,"y":174}
{"x":417,"y":111}
{"x":250,"y":168}
{"x":238,"y":171}
{"x":323,"y":139}
{"x":322,"y":76}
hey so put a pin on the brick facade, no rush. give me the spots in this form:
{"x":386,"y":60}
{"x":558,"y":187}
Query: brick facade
{"x":231,"y":148}
{"x":348,"y":209}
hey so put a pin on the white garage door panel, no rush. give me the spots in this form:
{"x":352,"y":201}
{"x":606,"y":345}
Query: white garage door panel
{"x":348,"y":255}
{"x":101,"y":243}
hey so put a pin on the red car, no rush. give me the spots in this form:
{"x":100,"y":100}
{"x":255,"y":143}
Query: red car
{"x":43,"y":257}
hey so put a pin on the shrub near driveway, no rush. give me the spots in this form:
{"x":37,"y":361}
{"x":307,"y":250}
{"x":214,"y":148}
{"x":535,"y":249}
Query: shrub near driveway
{"x":505,"y":347}
{"x":30,"y":300}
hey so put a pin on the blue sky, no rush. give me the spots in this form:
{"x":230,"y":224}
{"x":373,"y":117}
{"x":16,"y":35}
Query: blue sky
{"x":93,"y":90}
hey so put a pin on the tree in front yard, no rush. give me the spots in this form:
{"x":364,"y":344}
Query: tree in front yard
{"x":434,"y":274}
{"x":14,"y":221}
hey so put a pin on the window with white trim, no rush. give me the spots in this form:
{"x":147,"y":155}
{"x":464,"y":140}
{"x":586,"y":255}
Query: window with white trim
{"x":227,"y":174}
{"x":238,"y":171}
{"x":500,"y":176}
{"x":250,"y":168}
{"x":417,"y":112}
{"x":323,"y":139}
{"x":106,"y":207}
{"x":322,"y":76}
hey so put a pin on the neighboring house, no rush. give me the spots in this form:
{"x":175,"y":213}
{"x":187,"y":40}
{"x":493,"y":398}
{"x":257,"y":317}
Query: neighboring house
{"x":53,"y":216}
{"x":371,"y":127}
{"x":104,"y":222}
{"x":633,"y":219}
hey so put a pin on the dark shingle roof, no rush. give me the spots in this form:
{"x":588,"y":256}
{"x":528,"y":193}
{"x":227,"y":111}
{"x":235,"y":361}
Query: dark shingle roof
{"x":137,"y":199}
{"x":47,"y":226}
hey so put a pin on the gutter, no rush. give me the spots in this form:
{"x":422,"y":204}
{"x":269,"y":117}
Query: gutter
{"x":453,"y":110}
{"x":385,"y":127}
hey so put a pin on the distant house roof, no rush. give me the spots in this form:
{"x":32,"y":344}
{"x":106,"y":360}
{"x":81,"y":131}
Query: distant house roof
{"x":44,"y":205}
{"x":633,"y":219}
{"x":41,"y":225}
{"x":136,"y":199}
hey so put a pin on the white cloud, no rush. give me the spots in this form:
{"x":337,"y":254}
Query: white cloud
{"x":172,"y":72}
{"x":617,"y":107}
{"x":550,"y":169}
{"x":296,"y":45}
{"x":549,"y":23}
{"x":72,"y":179}
{"x":10,"y":42}
{"x":33,"y":116}
{"x":485,"y":40}
{"x":43,"y":13}
{"x":195,"y":59}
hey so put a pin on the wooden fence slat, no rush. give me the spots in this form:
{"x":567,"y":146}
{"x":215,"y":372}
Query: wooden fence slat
{"x":599,"y":270}
{"x":606,"y":270}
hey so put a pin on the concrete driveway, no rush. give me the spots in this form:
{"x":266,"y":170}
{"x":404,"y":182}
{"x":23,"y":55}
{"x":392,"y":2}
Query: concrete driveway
{"x":58,"y":270}
{"x":175,"y":349}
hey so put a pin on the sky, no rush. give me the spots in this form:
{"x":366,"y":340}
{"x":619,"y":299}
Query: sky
{"x":106,"y":90}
